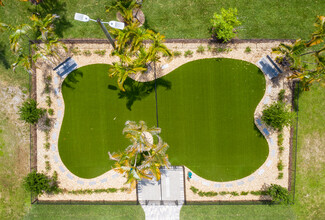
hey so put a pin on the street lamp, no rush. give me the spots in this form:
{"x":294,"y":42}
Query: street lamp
{"x":113,"y":24}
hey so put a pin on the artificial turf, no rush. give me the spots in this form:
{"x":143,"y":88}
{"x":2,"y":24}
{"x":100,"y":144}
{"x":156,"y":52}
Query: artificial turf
{"x":205,"y":110}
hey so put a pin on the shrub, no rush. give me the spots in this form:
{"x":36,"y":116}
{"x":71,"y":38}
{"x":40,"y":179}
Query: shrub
{"x":38,"y":183}
{"x":280,"y":176}
{"x":47,"y":145}
{"x":258,"y":193}
{"x":234,"y":193}
{"x":244,"y":193}
{"x":29,"y":112}
{"x":87,"y":53}
{"x":277,"y":115}
{"x":50,"y":111}
{"x":177,"y":53}
{"x":47,"y":165}
{"x":280,"y":139}
{"x":48,"y":78}
{"x":281,"y":149}
{"x":223,"y":193}
{"x":223,"y":24}
{"x":194,"y":190}
{"x":76,"y":51}
{"x":278,"y":194}
{"x":48,"y":101}
{"x":47,"y":88}
{"x":280,"y":165}
{"x":200,"y":49}
{"x":47,"y":122}
{"x":188,"y":53}
{"x":248,"y":50}
{"x":281,"y":95}
{"x":100,"y":52}
{"x":209,"y":48}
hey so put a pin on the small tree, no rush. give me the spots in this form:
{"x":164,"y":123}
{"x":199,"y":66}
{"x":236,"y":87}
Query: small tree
{"x":223,"y":24}
{"x":277,"y":115}
{"x":278,"y":194}
{"x":38,"y":183}
{"x":29,"y":111}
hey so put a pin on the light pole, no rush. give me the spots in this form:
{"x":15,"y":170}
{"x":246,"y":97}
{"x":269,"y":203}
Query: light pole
{"x":113,"y":24}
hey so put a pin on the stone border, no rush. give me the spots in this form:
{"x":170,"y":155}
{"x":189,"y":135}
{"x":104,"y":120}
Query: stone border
{"x":260,"y":47}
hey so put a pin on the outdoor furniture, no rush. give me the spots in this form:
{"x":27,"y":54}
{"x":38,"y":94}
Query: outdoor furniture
{"x":266,"y":132}
{"x":66,"y":67}
{"x":269,"y":67}
{"x":259,"y":122}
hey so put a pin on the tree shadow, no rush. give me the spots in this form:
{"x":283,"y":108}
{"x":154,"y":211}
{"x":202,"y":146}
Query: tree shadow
{"x":3,"y":57}
{"x":136,"y":91}
{"x":54,"y":7}
{"x":71,"y":80}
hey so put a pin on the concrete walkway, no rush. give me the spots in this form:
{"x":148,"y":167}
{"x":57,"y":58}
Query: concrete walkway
{"x":163,"y":199}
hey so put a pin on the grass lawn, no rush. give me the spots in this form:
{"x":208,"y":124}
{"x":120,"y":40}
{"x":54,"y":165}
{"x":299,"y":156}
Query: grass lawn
{"x":65,"y":212}
{"x":206,"y":110}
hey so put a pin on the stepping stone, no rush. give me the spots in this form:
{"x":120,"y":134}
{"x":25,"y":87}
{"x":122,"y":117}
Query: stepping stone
{"x":61,"y":168}
{"x":80,"y":182}
{"x":269,"y":89}
{"x":217,"y":185}
{"x":240,"y":183}
{"x":56,"y":80}
{"x":54,"y":136}
{"x":69,"y":176}
{"x":251,"y":178}
{"x":266,"y":100}
{"x":195,"y":178}
{"x":103,"y":180}
{"x":56,"y":159}
{"x":164,"y":66}
{"x":53,"y":148}
{"x":56,"y":125}
{"x":271,"y":141}
{"x":115,"y":176}
{"x":59,"y":113}
{"x":229,"y":185}
{"x":261,"y":171}
{"x":92,"y":183}
{"x":273,"y":153}
{"x":268,"y":164}
{"x":59,"y":102}
{"x":205,"y":183}
{"x":56,"y":91}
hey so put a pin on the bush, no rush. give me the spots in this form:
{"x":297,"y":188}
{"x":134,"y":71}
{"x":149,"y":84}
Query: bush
{"x":188,"y":53}
{"x":281,"y":149}
{"x":100,"y":52}
{"x":29,"y":112}
{"x":177,"y":53}
{"x":278,"y":194}
{"x":223,"y":24}
{"x":244,"y":193}
{"x":234,"y":193}
{"x":48,"y":101}
{"x":47,"y":88}
{"x":248,"y":50}
{"x":50,"y":111}
{"x":200,"y":49}
{"x":277,"y":115}
{"x":281,"y":95}
{"x":280,"y":139}
{"x":47,"y":166}
{"x":194,"y":190}
{"x":38,"y":183}
{"x":47,"y":145}
{"x":87,"y":53}
{"x":280,"y":165}
{"x":280,"y":176}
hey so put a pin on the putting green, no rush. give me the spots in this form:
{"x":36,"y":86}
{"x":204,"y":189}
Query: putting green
{"x":205,"y":107}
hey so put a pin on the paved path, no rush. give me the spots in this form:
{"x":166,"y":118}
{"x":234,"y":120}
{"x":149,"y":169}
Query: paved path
{"x":163,"y":199}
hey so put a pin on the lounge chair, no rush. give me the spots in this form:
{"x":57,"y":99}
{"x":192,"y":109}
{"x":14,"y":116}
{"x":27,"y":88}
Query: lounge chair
{"x":66,"y":67}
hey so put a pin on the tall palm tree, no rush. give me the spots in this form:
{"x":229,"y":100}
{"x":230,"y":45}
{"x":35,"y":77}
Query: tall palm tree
{"x":318,"y":35}
{"x":144,"y":157}
{"x":157,"y":47}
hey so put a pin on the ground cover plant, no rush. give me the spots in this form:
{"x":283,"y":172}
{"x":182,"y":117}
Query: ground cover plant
{"x":88,"y":95}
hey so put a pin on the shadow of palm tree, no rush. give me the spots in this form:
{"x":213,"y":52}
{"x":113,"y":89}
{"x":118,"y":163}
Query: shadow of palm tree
{"x":54,"y":7}
{"x":136,"y":91}
{"x":3,"y":57}
{"x":71,"y":80}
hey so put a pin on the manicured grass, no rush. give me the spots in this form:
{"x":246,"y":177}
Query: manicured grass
{"x":233,"y":212}
{"x":64,"y":212}
{"x":94,"y":118}
{"x":207,"y":118}
{"x":310,"y":186}
{"x":206,"y":110}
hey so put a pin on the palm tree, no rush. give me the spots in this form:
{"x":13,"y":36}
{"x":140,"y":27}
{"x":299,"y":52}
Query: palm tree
{"x":125,"y":8}
{"x":319,"y":34}
{"x":144,"y":157}
{"x":157,"y":47}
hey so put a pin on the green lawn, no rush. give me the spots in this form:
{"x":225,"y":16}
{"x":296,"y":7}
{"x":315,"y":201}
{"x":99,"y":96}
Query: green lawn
{"x":206,"y":111}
